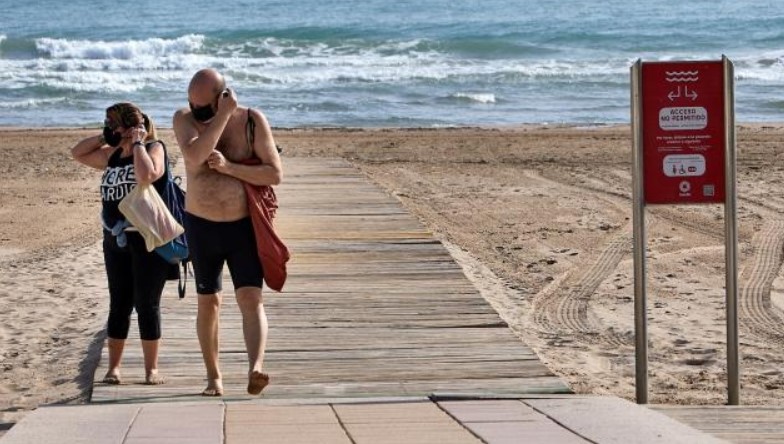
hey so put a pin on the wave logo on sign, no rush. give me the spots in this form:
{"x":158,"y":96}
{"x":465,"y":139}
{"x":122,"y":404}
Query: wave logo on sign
{"x":682,"y":76}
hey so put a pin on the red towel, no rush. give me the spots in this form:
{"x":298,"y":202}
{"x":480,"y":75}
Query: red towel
{"x":273,"y":253}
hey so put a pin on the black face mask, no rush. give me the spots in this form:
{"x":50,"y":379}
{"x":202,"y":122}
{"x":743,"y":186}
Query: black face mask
{"x":202,"y":113}
{"x":111,"y":137}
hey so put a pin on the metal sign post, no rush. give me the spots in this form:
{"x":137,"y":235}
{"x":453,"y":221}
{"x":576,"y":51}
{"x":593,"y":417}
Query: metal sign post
{"x":638,"y":221}
{"x":731,"y":236}
{"x":683,"y":134}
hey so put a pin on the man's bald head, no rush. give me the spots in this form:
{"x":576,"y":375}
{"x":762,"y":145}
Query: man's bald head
{"x":205,"y":86}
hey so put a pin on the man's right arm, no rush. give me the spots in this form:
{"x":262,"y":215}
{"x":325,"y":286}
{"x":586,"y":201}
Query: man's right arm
{"x":195,"y":147}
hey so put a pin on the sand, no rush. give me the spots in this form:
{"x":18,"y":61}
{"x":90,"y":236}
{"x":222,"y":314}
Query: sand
{"x":539,"y":217}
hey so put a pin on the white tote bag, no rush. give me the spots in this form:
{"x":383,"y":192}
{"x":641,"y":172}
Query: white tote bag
{"x":146,"y":211}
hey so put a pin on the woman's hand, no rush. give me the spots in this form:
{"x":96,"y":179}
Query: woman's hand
{"x":137,"y":134}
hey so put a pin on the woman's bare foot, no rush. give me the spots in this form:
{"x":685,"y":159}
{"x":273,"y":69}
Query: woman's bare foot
{"x":153,"y":378}
{"x":256,"y":382}
{"x":214,"y":388}
{"x":112,"y":377}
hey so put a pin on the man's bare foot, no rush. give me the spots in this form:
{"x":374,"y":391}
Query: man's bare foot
{"x":214,"y":388}
{"x":256,"y":382}
{"x":112,"y":377}
{"x":153,"y":378}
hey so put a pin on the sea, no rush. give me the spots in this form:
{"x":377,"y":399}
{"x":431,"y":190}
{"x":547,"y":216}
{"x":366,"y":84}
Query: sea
{"x":377,"y":63}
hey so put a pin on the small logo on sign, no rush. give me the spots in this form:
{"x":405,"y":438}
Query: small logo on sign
{"x":683,"y":165}
{"x":685,"y":188}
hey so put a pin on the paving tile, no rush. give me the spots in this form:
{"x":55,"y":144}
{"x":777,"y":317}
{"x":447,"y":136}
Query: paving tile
{"x":409,"y":412}
{"x":411,"y":433}
{"x":73,"y":425}
{"x":268,"y":414}
{"x":491,"y":410}
{"x":610,"y":420}
{"x":509,"y":432}
{"x":285,"y":434}
{"x":167,"y":440}
{"x":269,"y":401}
{"x":174,"y":424}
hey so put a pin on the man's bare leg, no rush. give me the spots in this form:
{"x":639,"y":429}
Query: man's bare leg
{"x":116,"y":347}
{"x":207,"y":328}
{"x":254,"y":329}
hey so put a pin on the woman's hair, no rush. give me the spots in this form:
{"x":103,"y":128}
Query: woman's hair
{"x":128,"y":115}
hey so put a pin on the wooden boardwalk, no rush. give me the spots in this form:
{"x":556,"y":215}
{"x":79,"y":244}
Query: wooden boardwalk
{"x":738,"y":424}
{"x":374,"y":306}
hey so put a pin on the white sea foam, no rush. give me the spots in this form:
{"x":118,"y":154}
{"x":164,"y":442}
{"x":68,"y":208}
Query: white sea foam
{"x":123,"y":50}
{"x":93,"y":82}
{"x":763,"y":67}
{"x":317,"y":70}
{"x":158,"y":64}
{"x":271,"y":62}
{"x":31,"y":103}
{"x":274,"y":47}
{"x":475,"y":97}
{"x":64,"y":76}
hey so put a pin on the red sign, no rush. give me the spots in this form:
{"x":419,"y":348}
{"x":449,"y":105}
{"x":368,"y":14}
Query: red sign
{"x":683,"y":132}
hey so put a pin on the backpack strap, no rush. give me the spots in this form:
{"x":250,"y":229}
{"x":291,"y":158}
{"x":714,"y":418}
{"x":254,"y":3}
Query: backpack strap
{"x":183,"y":279}
{"x":166,"y":165}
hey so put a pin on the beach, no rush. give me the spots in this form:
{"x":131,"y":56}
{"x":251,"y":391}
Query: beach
{"x":539,"y":217}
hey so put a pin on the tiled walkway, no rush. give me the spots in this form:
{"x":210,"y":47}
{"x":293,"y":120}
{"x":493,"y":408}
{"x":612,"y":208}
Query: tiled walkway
{"x":567,"y":420}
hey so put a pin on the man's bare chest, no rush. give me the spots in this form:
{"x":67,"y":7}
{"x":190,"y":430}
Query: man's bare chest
{"x":233,"y":148}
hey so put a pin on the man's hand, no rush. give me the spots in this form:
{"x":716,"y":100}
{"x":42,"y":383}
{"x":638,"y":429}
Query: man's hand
{"x":227,"y":101}
{"x":217,"y":162}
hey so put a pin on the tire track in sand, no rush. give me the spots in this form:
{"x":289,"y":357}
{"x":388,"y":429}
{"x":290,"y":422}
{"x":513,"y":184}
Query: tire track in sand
{"x":563,"y":306}
{"x":755,"y":310}
{"x":572,"y":309}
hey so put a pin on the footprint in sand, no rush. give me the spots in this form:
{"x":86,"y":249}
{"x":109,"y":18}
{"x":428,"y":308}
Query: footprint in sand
{"x":700,"y":360}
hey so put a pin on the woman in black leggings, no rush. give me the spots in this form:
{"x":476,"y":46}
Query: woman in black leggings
{"x":129,"y":153}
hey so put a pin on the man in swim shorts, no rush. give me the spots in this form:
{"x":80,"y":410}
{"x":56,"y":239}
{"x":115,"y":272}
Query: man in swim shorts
{"x":212,"y":135}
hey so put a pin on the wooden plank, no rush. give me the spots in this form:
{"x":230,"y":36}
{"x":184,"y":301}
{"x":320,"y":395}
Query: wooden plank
{"x":738,"y":424}
{"x":374,"y":306}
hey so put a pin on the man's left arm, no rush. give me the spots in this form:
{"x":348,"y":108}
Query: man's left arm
{"x":270,"y":172}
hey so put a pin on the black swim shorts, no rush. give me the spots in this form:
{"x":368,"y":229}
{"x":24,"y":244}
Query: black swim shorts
{"x":212,"y":244}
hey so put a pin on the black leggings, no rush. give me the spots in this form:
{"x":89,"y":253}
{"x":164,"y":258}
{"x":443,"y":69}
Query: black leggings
{"x":136,"y":280}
